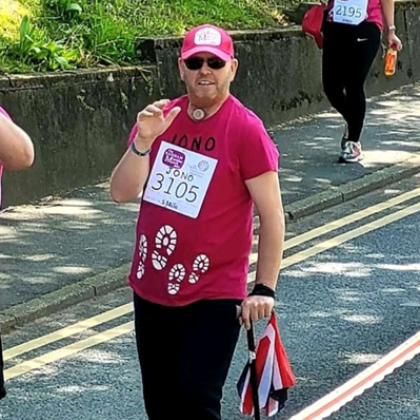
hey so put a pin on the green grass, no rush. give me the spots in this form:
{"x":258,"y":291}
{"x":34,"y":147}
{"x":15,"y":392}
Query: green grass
{"x":53,"y":35}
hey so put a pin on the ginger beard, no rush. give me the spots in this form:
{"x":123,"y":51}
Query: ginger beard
{"x":207,"y":88}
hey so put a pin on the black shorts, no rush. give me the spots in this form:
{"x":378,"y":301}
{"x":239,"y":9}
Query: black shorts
{"x":2,"y":384}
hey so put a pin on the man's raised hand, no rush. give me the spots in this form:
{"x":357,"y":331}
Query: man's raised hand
{"x":151,"y":122}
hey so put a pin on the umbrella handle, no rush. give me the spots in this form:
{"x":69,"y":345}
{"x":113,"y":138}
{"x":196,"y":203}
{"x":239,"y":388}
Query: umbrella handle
{"x":254,"y":381}
{"x":253,"y":368}
{"x":238,"y":311}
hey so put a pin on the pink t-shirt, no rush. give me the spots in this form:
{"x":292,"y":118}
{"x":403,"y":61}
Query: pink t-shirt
{"x":2,"y":111}
{"x":374,"y":12}
{"x":179,"y":259}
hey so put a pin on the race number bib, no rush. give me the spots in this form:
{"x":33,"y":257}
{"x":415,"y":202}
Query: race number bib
{"x":351,"y":12}
{"x":179,"y":179}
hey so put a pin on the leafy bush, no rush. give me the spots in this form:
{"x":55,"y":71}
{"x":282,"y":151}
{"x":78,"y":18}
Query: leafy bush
{"x":69,"y":34}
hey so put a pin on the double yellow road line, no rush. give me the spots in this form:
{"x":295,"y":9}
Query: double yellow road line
{"x":109,"y":334}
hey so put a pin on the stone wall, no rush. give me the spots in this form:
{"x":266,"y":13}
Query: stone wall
{"x":79,"y":124}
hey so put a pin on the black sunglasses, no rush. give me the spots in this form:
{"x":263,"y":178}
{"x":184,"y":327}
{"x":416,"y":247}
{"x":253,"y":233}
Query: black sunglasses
{"x":195,"y":63}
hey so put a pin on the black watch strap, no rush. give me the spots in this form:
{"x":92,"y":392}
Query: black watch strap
{"x":263,"y":290}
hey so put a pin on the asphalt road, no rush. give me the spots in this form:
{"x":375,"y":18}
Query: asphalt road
{"x":339,"y":312}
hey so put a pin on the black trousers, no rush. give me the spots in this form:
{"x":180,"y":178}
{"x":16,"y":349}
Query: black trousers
{"x":185,"y":355}
{"x":2,"y":384}
{"x":348,"y":54}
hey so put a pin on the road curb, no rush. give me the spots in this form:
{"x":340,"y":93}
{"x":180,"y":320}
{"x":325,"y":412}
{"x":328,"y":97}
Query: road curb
{"x":116,"y":278}
{"x":69,"y":295}
{"x":352,"y":189}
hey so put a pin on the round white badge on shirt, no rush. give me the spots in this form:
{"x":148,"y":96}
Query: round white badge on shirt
{"x":198,"y":114}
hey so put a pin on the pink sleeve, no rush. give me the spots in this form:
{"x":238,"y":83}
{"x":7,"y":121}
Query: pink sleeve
{"x":258,"y":153}
{"x":3,"y":111}
{"x":132,"y":135}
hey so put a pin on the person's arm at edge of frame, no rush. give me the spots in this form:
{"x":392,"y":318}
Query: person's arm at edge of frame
{"x":388,"y":13}
{"x":16,"y":147}
{"x":266,"y":194}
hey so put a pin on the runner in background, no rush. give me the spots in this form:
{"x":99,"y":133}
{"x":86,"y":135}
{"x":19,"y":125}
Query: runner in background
{"x":352,"y":35}
{"x":16,"y":153}
{"x":200,"y":162}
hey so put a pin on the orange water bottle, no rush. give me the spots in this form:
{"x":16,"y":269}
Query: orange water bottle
{"x":390,"y":62}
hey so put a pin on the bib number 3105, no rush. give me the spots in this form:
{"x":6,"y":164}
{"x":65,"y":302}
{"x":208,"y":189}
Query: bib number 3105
{"x":171,"y":183}
{"x":179,"y":179}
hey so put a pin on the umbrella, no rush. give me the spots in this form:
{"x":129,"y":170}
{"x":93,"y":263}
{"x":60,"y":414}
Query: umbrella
{"x":267,"y":375}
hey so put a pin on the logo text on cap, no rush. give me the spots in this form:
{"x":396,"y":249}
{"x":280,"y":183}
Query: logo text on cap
{"x":207,"y":36}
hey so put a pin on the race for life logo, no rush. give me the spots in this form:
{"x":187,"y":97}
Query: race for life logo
{"x":207,"y":36}
{"x":173,"y":159}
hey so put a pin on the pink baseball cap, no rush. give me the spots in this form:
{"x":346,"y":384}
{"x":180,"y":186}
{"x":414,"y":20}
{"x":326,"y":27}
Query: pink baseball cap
{"x":210,"y":39}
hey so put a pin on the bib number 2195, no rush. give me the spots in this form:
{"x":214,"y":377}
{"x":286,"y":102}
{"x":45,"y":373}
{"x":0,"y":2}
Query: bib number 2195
{"x":351,"y":12}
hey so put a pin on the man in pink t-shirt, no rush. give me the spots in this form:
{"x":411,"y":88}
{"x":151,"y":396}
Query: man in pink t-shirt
{"x":199,"y":162}
{"x":16,"y":153}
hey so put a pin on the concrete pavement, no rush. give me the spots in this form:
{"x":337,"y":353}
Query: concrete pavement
{"x":67,"y":249}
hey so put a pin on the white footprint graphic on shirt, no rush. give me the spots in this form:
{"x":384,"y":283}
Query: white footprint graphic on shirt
{"x":200,"y":265}
{"x":142,"y":255}
{"x":140,"y":270}
{"x":165,"y":241}
{"x":143,"y":247}
{"x":176,"y":275}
